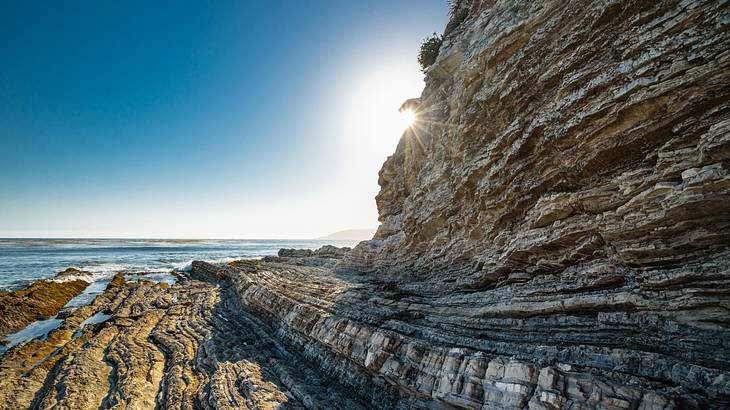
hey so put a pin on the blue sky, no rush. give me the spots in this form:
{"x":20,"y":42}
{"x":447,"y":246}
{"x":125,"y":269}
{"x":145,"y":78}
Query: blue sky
{"x":202,"y":119}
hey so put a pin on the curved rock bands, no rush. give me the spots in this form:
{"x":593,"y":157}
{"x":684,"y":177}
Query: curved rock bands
{"x":258,"y":334}
{"x":537,"y":347}
{"x":185,"y":346}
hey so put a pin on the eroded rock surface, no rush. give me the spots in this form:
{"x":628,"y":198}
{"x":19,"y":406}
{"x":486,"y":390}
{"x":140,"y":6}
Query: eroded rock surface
{"x":191,"y":345}
{"x":563,"y":201}
{"x":41,"y":300}
{"x":416,"y":345}
{"x":554,"y":236}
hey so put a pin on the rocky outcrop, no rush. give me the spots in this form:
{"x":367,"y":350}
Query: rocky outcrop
{"x":325,"y":251}
{"x":73,"y":273}
{"x":562,"y":201}
{"x":190,"y":345}
{"x":553,"y":134}
{"x":554,"y":235}
{"x":41,"y":300}
{"x":326,"y":255}
{"x":413,"y":345}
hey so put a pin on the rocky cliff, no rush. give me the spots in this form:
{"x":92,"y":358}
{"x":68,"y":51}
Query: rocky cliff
{"x":554,"y":236}
{"x":554,"y":134}
{"x":564,"y":194}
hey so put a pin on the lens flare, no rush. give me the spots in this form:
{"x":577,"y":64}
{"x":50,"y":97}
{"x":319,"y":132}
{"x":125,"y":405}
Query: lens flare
{"x":408,"y":117}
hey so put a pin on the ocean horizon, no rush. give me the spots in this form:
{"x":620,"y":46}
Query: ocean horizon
{"x":25,"y":260}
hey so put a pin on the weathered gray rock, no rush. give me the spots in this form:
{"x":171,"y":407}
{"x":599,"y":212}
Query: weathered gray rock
{"x":325,"y":256}
{"x":554,"y":236}
{"x":563,"y":199}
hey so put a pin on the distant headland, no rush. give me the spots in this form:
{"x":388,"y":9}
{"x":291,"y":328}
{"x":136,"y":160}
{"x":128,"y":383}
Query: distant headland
{"x":350,"y":235}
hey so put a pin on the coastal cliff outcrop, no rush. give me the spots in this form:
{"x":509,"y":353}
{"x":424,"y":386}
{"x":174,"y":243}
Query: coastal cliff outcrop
{"x":554,"y":235}
{"x":565,"y":190}
{"x":554,"y":133}
{"x":563,"y":196}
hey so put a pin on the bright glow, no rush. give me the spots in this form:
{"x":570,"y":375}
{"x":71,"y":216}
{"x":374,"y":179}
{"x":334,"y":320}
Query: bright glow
{"x":371,"y":124}
{"x":408,"y":117}
{"x":365,"y":128}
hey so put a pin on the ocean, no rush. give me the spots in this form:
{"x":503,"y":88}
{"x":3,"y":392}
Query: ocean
{"x":23,"y":261}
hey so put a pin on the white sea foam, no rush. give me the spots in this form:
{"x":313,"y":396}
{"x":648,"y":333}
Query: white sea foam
{"x":183,"y":266}
{"x":69,"y":278}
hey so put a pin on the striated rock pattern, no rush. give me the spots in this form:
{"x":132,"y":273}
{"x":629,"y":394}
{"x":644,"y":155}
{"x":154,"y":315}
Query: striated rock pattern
{"x":41,"y":300}
{"x":563,"y":201}
{"x":557,"y":133}
{"x":185,"y":346}
{"x":554,"y":235}
{"x":414,"y":345}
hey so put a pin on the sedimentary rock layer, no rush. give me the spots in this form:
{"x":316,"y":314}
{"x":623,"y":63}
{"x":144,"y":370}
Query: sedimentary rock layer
{"x":556,"y":133}
{"x":414,"y":345}
{"x":563,"y":199}
{"x":554,"y":235}
{"x":40,"y":300}
{"x":182,"y":347}
{"x":256,"y":334}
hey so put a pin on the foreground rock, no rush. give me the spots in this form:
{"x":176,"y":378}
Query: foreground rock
{"x":260,"y":334}
{"x":417,"y":345}
{"x":187,"y":346}
{"x":41,"y":300}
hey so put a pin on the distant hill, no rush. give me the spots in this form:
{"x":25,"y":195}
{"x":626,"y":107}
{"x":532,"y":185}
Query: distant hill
{"x":351,"y":235}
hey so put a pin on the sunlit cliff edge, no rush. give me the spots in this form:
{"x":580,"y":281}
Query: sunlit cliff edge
{"x":554,"y":235}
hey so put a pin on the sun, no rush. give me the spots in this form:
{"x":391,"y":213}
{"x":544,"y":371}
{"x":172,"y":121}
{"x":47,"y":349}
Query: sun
{"x":367,"y":112}
{"x":407,"y":118}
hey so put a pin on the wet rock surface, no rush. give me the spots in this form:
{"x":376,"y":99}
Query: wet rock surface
{"x":41,"y":300}
{"x":191,"y":345}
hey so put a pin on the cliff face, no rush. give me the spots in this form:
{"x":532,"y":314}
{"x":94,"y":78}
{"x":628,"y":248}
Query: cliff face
{"x":565,"y":191}
{"x":554,"y":236}
{"x":556,"y":134}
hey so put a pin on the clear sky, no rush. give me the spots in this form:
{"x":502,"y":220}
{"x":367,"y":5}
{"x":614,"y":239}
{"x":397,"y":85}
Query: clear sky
{"x":202,"y":119}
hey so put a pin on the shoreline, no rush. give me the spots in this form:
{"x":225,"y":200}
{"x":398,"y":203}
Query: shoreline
{"x":22,"y":264}
{"x":284,"y":326}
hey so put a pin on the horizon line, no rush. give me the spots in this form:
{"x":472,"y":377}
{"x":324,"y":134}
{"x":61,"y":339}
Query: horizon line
{"x":163,"y":238}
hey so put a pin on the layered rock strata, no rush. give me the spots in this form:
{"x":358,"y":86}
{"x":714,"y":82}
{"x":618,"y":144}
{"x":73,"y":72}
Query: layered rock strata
{"x":563,"y":197}
{"x":554,"y":236}
{"x":40,"y":300}
{"x":185,"y":346}
{"x":413,"y":345}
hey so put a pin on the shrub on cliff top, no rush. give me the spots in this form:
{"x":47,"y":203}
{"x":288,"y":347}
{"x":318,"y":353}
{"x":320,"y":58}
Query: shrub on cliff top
{"x":429,"y":50}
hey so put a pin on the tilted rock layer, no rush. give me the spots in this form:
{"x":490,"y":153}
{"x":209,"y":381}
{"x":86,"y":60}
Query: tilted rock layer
{"x":187,"y":346}
{"x":40,"y":300}
{"x":565,"y":198}
{"x":554,"y":236}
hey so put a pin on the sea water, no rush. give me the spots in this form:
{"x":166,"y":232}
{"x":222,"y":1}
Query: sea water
{"x":23,"y":261}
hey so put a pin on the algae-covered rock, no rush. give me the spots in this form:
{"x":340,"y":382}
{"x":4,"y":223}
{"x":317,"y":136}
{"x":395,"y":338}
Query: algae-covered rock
{"x":41,"y":300}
